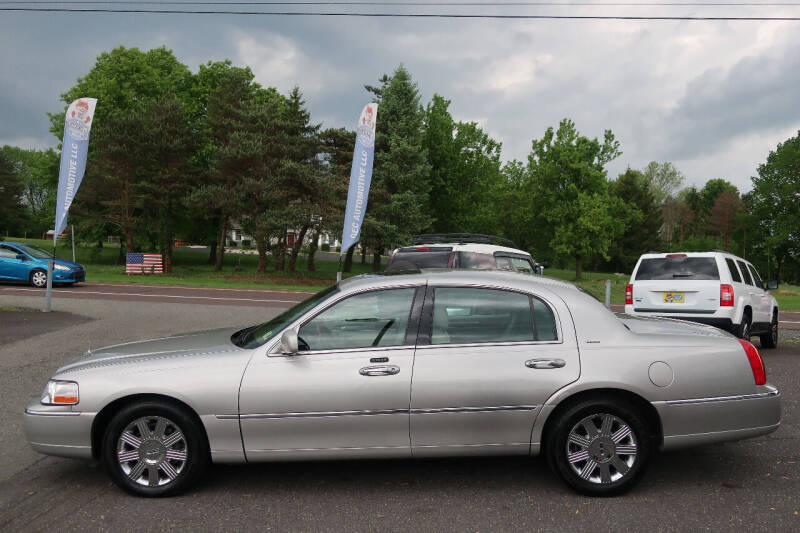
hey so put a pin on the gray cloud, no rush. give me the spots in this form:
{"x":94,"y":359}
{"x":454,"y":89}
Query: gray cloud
{"x":713,"y":98}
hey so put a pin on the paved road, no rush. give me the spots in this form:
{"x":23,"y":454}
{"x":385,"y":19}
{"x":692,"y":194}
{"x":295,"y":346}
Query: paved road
{"x":752,"y":484}
{"x":138,"y":292}
{"x":215,"y":296}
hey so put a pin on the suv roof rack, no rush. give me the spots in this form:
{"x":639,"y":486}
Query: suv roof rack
{"x":462,"y":238}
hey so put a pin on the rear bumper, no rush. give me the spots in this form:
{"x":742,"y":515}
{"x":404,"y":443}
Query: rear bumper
{"x":699,"y":421}
{"x":722,"y":319}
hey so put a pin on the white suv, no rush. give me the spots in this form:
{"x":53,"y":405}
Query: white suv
{"x":462,"y":250}
{"x":715,"y":288}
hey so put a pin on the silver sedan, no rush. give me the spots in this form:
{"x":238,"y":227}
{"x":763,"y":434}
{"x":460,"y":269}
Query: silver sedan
{"x":453,"y":363}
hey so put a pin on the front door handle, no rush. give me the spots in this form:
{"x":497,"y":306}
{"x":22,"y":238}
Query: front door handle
{"x":380,"y":370}
{"x":545,"y":363}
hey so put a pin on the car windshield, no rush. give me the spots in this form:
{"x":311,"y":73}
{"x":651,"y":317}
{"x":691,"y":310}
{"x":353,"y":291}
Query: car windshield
{"x":255,"y":336}
{"x":678,"y":267}
{"x":34,"y":251}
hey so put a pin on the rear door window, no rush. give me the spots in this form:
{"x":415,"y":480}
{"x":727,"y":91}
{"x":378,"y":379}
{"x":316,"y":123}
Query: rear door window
{"x":733,"y":270}
{"x":756,"y":277}
{"x":467,"y":315}
{"x":745,"y":273}
{"x":680,"y":267}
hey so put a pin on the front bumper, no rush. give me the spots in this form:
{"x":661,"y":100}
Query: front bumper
{"x":697,"y":421}
{"x":57,"y":430}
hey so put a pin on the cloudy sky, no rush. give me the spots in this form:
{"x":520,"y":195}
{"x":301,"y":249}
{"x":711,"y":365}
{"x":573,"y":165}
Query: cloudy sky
{"x":712,"y":97}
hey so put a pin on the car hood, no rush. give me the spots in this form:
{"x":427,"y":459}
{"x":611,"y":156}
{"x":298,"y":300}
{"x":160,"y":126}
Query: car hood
{"x":652,"y":325}
{"x":199,"y":343}
{"x":69,"y":264}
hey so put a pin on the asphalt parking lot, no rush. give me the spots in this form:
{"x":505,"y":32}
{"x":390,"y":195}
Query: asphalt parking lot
{"x":753,"y":485}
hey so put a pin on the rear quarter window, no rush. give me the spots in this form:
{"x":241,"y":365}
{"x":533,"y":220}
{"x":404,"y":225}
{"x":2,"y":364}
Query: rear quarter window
{"x":745,"y":273}
{"x":687,"y":268}
{"x":733,"y":270}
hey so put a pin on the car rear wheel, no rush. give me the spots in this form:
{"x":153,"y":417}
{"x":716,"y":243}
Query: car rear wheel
{"x":599,"y":447}
{"x":770,"y":339}
{"x":39,"y":278}
{"x":154,"y":449}
{"x":744,"y":328}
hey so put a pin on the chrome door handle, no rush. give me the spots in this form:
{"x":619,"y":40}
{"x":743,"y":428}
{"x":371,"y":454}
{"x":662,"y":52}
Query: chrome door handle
{"x":545,"y":363}
{"x":380,"y":370}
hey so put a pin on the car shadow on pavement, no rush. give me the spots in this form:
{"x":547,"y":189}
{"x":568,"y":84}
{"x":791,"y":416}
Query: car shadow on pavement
{"x":20,"y":323}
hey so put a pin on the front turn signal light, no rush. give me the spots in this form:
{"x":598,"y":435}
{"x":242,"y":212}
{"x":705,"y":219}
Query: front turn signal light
{"x":58,"y":392}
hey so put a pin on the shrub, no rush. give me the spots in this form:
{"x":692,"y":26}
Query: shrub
{"x":325,"y":247}
{"x":246,"y":243}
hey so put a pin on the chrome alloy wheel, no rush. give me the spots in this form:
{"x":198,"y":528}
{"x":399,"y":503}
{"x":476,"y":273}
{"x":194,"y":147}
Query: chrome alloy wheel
{"x":39,"y":278}
{"x":601,"y":448}
{"x":152,"y":451}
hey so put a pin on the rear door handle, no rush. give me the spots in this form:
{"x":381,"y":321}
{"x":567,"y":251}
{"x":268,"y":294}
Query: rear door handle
{"x":545,"y":363}
{"x":380,"y":370}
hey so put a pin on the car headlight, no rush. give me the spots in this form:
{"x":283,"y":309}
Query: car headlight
{"x":60,"y":267}
{"x":58,"y":392}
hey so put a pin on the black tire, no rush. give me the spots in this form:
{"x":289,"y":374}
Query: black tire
{"x":744,"y":328}
{"x":38,"y":278}
{"x":604,"y":477}
{"x":770,"y":339}
{"x":182,"y":434}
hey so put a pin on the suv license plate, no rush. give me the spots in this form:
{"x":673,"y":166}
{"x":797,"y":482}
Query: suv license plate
{"x":673,"y":298}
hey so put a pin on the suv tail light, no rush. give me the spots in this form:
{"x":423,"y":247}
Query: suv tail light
{"x":756,"y":363}
{"x":629,"y":294}
{"x":451,"y":261}
{"x":726,"y":295}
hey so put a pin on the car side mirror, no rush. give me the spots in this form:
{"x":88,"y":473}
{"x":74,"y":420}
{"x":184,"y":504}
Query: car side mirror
{"x":771,"y":285}
{"x":22,"y":257}
{"x":289,"y":342}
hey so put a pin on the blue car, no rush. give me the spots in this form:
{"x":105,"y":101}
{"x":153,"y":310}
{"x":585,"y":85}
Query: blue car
{"x":28,"y":263}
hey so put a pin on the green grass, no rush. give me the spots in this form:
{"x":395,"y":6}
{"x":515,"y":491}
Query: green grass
{"x":191,"y":268}
{"x":14,"y":308}
{"x":239,"y":271}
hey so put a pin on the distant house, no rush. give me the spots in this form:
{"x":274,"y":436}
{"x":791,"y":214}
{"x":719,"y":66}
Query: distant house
{"x":237,"y":237}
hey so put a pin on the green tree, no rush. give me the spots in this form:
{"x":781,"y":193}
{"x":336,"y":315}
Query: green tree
{"x":126,"y":80}
{"x":569,"y":193}
{"x":465,"y":172}
{"x":170,"y":174}
{"x":399,"y":195}
{"x":641,"y":216}
{"x":13,"y":216}
{"x":664,"y":180}
{"x":37,"y":170}
{"x":337,"y":161}
{"x":232,"y":149}
{"x":775,"y":202}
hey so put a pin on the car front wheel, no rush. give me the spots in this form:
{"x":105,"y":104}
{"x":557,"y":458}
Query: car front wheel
{"x":599,"y":447}
{"x":39,"y":278}
{"x":154,"y":449}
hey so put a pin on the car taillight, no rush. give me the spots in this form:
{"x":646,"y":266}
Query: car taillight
{"x":756,"y":363}
{"x":629,"y":294}
{"x":726,"y":295}
{"x":451,"y":261}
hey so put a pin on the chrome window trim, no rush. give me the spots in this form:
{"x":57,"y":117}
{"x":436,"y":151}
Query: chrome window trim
{"x":755,"y":396}
{"x":374,"y":412}
{"x":455,"y":285}
{"x":344,"y":350}
{"x":488,"y":343}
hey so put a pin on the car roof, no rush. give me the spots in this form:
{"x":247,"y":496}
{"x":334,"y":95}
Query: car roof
{"x":505,"y":278}
{"x":711,"y":253}
{"x":469,"y":247}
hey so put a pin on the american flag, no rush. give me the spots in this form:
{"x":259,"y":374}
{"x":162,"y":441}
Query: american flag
{"x":143,"y":264}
